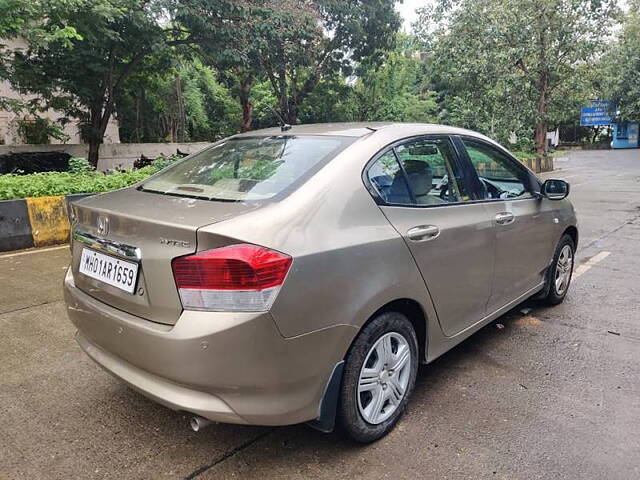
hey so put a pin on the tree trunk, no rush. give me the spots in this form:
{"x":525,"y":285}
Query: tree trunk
{"x":92,"y":136}
{"x":292,"y":114}
{"x":541,"y":124}
{"x":181,"y":120}
{"x":144,"y":125}
{"x":543,"y":80}
{"x":138,"y":127}
{"x":173,"y":129}
{"x":541,"y":137}
{"x":99,"y":117}
{"x":283,"y":87}
{"x":247,"y":106}
{"x":94,"y":149}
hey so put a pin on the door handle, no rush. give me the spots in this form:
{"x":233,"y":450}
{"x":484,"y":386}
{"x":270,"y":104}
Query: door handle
{"x":504,"y":218}
{"x":423,"y":233}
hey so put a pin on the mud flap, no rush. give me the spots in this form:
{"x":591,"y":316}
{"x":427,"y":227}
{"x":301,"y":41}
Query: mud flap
{"x":329,"y":403}
{"x":547,"y":284}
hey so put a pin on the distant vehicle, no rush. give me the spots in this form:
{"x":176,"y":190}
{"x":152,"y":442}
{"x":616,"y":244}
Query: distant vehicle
{"x":279,"y":277}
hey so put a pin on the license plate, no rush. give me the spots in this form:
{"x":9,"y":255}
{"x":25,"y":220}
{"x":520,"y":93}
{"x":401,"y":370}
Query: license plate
{"x":113,"y":271}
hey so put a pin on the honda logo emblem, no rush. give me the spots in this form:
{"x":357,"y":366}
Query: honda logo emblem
{"x":103,"y":226}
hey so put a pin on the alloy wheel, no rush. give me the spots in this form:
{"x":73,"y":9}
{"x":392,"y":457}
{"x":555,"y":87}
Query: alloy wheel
{"x":564,"y":267}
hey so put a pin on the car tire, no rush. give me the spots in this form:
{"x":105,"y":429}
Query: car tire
{"x":370,"y":403}
{"x":561,"y":268}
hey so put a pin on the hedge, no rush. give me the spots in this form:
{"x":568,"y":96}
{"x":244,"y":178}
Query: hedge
{"x":78,"y":180}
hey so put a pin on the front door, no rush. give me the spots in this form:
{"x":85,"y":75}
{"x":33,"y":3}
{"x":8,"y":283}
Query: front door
{"x":422,"y":193}
{"x":524,"y":228}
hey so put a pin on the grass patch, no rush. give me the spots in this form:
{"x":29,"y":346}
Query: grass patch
{"x":524,"y":155}
{"x":78,"y":180}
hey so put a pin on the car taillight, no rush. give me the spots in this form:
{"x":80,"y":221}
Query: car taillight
{"x":240,"y":278}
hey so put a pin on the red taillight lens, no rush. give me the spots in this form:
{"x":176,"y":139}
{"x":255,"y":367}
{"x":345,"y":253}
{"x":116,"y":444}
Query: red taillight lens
{"x":238,"y":277}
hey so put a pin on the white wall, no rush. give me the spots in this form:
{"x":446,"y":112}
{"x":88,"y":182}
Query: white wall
{"x":118,"y":155}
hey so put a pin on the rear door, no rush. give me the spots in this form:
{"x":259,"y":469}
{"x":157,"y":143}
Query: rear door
{"x":524,"y":228}
{"x":422,"y":191}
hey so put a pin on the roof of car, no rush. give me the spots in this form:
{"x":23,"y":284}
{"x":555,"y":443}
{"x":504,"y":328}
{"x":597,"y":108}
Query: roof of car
{"x":359,"y":129}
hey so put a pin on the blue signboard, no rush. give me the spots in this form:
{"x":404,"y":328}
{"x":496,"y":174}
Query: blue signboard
{"x":600,"y":113}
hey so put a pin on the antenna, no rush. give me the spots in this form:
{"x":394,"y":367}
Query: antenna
{"x":284,"y":126}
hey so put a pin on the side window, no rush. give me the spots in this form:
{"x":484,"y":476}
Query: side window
{"x":431,"y":172}
{"x":388,"y":179}
{"x":499,"y":176}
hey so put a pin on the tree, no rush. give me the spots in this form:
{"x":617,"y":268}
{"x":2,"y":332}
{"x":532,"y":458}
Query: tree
{"x":148,"y":108}
{"x":223,"y":33}
{"x":397,"y":88}
{"x":505,"y":65}
{"x":328,"y":36}
{"x":82,"y":75}
{"x":294,"y":44}
{"x":622,"y":66}
{"x":21,"y":18}
{"x":332,"y":100}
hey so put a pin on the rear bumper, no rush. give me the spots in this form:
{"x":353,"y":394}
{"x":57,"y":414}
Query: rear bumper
{"x":228,"y":367}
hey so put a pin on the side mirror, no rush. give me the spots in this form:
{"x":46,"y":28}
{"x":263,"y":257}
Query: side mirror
{"x":555,"y":189}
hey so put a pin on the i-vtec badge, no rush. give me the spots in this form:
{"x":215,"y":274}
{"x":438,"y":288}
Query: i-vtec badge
{"x":175,"y":243}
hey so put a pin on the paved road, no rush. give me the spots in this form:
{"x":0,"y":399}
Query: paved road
{"x":553,"y":394}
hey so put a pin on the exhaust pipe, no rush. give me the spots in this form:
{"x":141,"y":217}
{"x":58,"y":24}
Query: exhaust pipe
{"x":198,"y":423}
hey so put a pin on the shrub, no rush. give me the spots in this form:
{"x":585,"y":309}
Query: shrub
{"x":163,"y":162}
{"x":79,"y":165}
{"x":78,"y":179}
{"x":40,"y":131}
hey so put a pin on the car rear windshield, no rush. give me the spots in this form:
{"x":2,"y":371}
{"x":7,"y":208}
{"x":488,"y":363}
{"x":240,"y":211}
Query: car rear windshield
{"x":247,"y":168}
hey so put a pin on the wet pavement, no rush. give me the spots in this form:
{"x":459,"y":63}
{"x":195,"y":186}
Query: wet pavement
{"x":555,"y":393}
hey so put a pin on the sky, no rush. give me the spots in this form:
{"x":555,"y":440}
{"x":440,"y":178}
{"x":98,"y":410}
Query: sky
{"x":407,"y":10}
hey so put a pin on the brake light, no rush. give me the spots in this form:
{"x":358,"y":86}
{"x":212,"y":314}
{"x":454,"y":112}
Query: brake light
{"x":235,"y":278}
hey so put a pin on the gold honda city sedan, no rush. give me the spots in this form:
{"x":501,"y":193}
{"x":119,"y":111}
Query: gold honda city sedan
{"x":301,"y":274}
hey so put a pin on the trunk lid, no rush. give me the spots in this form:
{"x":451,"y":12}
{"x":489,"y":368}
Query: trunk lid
{"x":150,"y":229}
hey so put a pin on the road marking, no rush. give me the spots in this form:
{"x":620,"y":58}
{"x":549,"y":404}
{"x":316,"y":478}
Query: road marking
{"x":37,"y":250}
{"x":590,"y":263}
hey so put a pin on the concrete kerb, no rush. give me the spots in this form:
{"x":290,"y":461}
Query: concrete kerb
{"x":35,"y":222}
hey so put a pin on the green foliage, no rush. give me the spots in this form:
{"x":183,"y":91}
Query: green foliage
{"x":163,"y":162}
{"x":39,"y":131}
{"x":148,"y":108}
{"x":503,"y":67}
{"x":622,"y":66}
{"x":91,"y":48}
{"x":332,"y":100}
{"x":26,"y":18}
{"x":524,"y":155}
{"x":261,"y":169}
{"x":23,"y":18}
{"x":397,"y":89}
{"x":263,"y":101}
{"x":113,"y":39}
{"x":79,"y":165}
{"x":295,"y":44}
{"x":79,"y":179}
